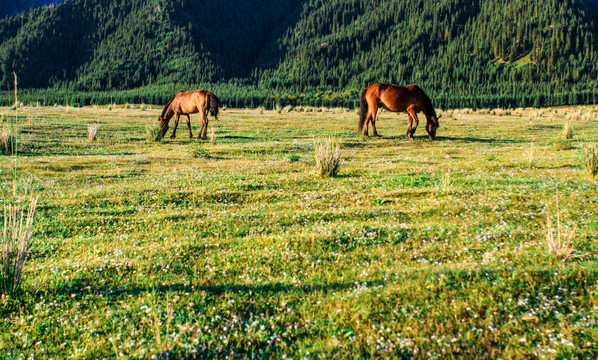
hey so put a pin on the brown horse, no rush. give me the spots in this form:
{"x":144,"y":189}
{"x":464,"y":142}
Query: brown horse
{"x":189,"y":102}
{"x":397,"y":98}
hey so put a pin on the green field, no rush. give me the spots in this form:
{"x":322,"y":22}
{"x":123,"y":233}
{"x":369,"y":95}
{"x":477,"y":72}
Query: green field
{"x":417,"y":249}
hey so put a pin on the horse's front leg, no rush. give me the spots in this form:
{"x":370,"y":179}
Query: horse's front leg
{"x":189,"y":126}
{"x":413,"y":122}
{"x":176,"y":123}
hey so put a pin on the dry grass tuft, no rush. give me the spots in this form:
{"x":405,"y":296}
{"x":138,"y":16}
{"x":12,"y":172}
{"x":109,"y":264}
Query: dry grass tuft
{"x":8,"y":141}
{"x":531,"y":156}
{"x":559,"y":241}
{"x":567,"y":131}
{"x":153,"y":133}
{"x":212,"y":136}
{"x":92,"y":132}
{"x":590,"y":158}
{"x":328,"y":156}
{"x":14,"y":249}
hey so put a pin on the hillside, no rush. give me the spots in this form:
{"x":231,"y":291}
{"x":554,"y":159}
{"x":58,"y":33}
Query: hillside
{"x":463,"y":52}
{"x":13,"y":7}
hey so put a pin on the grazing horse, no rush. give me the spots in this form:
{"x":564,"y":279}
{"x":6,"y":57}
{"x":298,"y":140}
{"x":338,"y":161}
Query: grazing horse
{"x":397,"y":98}
{"x":189,"y":102}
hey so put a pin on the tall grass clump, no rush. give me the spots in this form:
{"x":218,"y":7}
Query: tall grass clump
{"x":153,"y":133}
{"x":567,"y":131}
{"x":92,"y":132}
{"x":328,"y":156}
{"x":212,"y":136}
{"x":559,"y":241}
{"x":590,"y":158}
{"x":17,"y":234}
{"x":8,"y":141}
{"x":531,"y":156}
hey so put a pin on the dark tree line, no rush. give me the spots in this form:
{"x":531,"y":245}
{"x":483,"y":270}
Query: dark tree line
{"x":475,"y":53}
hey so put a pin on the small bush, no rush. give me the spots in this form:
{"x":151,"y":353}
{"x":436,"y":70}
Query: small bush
{"x":14,"y":249}
{"x":153,"y":133}
{"x":8,"y":141}
{"x":328,"y":157}
{"x":590,"y":158}
{"x":92,"y":132}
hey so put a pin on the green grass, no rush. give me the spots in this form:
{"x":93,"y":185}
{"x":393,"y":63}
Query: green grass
{"x":416,"y":249}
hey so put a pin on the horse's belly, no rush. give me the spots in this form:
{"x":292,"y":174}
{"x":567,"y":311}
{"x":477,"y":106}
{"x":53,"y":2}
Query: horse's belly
{"x":186,"y":110}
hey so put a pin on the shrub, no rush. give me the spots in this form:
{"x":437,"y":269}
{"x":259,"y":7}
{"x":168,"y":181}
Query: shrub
{"x":92,"y":132}
{"x":153,"y":133}
{"x":328,"y":157}
{"x":14,"y":249}
{"x":8,"y":141}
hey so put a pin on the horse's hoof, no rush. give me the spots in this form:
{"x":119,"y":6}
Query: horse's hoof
{"x":376,"y":135}
{"x":173,"y":137}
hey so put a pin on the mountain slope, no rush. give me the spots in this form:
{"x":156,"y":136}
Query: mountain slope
{"x":12,"y":7}
{"x":468,"y":47}
{"x":515,"y":52}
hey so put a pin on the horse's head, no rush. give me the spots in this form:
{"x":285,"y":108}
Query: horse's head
{"x":163,"y":125}
{"x":432,"y":126}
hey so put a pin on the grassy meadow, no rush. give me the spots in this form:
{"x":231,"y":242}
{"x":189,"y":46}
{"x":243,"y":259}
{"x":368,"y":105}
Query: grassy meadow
{"x":236,"y":248}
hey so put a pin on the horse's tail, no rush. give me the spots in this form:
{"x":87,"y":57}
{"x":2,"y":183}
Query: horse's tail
{"x":363,"y":109}
{"x":213,"y":105}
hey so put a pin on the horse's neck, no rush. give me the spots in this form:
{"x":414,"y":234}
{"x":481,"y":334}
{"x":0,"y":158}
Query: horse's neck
{"x":169,"y":113}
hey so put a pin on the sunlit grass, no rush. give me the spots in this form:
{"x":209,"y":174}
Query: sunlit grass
{"x":183,"y":248}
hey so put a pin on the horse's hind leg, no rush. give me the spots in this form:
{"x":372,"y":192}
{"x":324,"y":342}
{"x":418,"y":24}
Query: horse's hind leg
{"x":176,"y":123}
{"x":371,"y":116}
{"x":189,"y":126}
{"x":374,"y":126}
{"x":413,"y":122}
{"x":204,"y":126}
{"x":201,"y":130}
{"x":205,"y":129}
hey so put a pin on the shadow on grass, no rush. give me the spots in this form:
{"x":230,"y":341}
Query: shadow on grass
{"x":533,"y":276}
{"x":479,"y":140}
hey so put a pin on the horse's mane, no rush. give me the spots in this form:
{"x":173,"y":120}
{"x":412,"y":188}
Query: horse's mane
{"x":170,"y":102}
{"x":427,"y":103}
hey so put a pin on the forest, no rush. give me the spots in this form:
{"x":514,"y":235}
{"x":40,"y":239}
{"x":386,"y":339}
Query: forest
{"x":463,"y":53}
